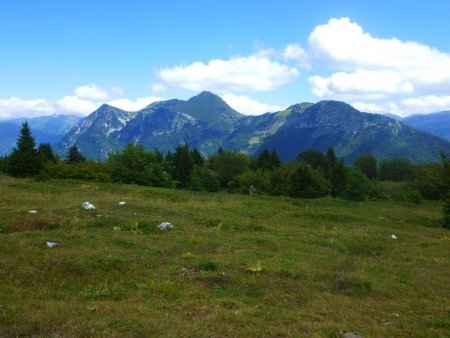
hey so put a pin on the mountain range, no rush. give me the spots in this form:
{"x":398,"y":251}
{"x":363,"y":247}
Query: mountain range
{"x":437,"y":124}
{"x":45,"y":129}
{"x":207,"y":122}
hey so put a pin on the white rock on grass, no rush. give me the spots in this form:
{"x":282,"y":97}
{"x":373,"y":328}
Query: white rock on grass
{"x":393,"y":236}
{"x":52,"y":244}
{"x":88,"y":206}
{"x":122,"y":203}
{"x":32,"y":211}
{"x":165,"y":226}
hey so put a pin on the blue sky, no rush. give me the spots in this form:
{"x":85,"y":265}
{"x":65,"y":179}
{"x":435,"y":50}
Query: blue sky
{"x":71,"y":56}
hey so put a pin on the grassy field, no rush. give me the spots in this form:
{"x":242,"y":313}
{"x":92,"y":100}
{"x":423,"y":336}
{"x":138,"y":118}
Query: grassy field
{"x":327,"y":264}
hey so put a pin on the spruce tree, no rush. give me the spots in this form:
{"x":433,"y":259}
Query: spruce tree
{"x":46,"y":153}
{"x":367,"y":163}
{"x":446,"y":189}
{"x":274,"y":159}
{"x":331,"y":157}
{"x":182,"y":165}
{"x":24,"y":160}
{"x":197,"y":157}
{"x":74,"y":155}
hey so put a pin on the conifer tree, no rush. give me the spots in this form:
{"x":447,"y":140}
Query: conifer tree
{"x":446,"y":189}
{"x":74,"y":155}
{"x":46,"y":153}
{"x":197,"y":157}
{"x":24,"y":160}
{"x":331,"y":156}
{"x":274,"y":159}
{"x":182,"y":165}
{"x":367,"y":163}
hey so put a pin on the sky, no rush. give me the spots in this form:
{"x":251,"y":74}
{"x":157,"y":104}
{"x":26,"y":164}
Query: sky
{"x":69,"y":57}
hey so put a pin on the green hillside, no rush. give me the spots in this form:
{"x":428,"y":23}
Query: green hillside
{"x":326,"y":264}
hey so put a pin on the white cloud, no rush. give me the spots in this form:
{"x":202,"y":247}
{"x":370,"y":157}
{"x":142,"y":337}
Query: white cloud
{"x":248,"y":106}
{"x":412,"y":105}
{"x":295,"y":52}
{"x":74,"y":105}
{"x":373,"y":84}
{"x":372,"y":66}
{"x":369,"y":107}
{"x":255,"y":73}
{"x":92,"y":92}
{"x":130,"y":105}
{"x":15,"y":107}
{"x":426,"y":104}
{"x":86,"y":100}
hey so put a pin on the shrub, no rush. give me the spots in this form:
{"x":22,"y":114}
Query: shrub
{"x":308,"y":183}
{"x":241,"y":183}
{"x":358,"y":187}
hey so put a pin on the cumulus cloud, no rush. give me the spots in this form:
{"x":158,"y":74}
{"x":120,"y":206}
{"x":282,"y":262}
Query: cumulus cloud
{"x":380,"y":108}
{"x":248,"y":106}
{"x":255,"y":73}
{"x":85,"y":100}
{"x":73,"y":105}
{"x":409,"y":106}
{"x":295,"y":52}
{"x":426,"y":104}
{"x":361,"y":83}
{"x":134,"y":105}
{"x":372,"y":66}
{"x":15,"y":107}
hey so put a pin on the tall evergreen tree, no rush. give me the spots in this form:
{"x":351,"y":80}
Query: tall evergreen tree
{"x":74,"y":155}
{"x":446,"y":189}
{"x":4,"y":164}
{"x":367,"y":163}
{"x":24,"y":160}
{"x":331,"y":156}
{"x":182,"y":165}
{"x":267,"y":160}
{"x":263,"y":160}
{"x":315,"y":158}
{"x":197,"y":157}
{"x":275,"y":159}
{"x":46,"y":153}
{"x":338,"y":178}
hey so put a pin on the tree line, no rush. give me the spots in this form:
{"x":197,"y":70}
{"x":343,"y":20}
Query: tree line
{"x":313,"y":174}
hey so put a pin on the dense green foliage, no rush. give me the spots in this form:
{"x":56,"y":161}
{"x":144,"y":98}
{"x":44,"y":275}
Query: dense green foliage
{"x":24,"y":160}
{"x":446,"y":189}
{"x":397,"y":169}
{"x":46,"y":153}
{"x":74,"y":156}
{"x":367,"y":163}
{"x":314,"y":174}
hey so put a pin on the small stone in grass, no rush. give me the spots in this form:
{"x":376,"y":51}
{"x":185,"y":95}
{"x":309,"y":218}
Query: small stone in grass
{"x":88,"y":206}
{"x":52,"y":244}
{"x":165,"y":226}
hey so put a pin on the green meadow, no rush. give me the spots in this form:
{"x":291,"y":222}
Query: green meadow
{"x":233,"y":265}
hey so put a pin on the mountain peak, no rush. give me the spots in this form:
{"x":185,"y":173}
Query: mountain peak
{"x":327,"y":104}
{"x":207,"y":93}
{"x":207,"y":96}
{"x":105,"y":106}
